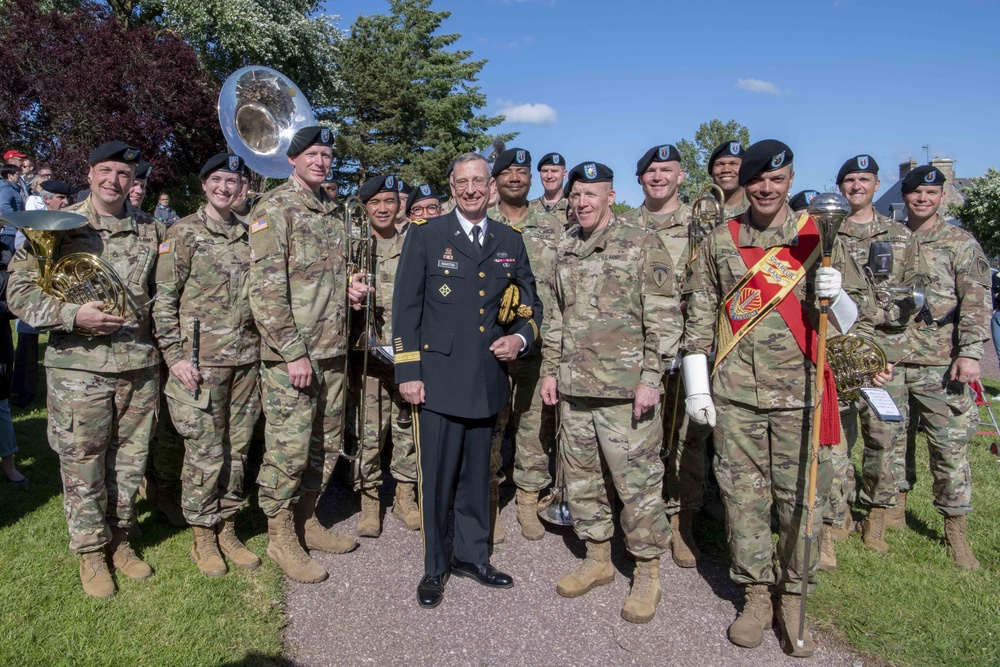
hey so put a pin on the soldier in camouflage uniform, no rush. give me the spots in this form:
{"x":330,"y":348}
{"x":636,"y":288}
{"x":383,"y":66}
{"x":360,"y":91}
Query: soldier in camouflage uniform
{"x":201,"y":274}
{"x":724,"y":169}
{"x":660,"y":174}
{"x":298,"y":282}
{"x":552,"y":174}
{"x":763,"y":384}
{"x":888,"y":255}
{"x":532,"y":422}
{"x":946,"y":343}
{"x":384,"y":404}
{"x":614,"y":318}
{"x":102,"y":389}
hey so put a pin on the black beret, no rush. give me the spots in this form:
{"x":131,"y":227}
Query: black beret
{"x":143,"y":169}
{"x":374,"y":186}
{"x":222,"y":162}
{"x":801,"y":200}
{"x":517,"y":157}
{"x":552,"y":158}
{"x":859,"y":164}
{"x":589,"y":172}
{"x":765,"y":155}
{"x":57,"y":187}
{"x":664,"y":153}
{"x":923,"y":175}
{"x":118,"y":151}
{"x":420,"y":194}
{"x":310,"y":136}
{"x":725,"y":149}
{"x":403,"y":188}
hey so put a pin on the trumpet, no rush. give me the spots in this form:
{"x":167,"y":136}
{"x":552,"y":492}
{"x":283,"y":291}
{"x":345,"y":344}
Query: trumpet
{"x":360,"y":257}
{"x":914,"y":293}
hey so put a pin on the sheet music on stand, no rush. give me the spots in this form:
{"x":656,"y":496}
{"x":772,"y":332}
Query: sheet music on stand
{"x":882,"y":404}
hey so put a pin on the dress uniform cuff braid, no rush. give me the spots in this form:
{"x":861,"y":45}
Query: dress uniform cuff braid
{"x":67,"y":315}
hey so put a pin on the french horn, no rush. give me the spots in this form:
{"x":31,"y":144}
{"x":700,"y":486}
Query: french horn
{"x":854,"y":360}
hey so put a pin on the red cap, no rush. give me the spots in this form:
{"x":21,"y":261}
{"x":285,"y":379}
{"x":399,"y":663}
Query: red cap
{"x":12,"y":153}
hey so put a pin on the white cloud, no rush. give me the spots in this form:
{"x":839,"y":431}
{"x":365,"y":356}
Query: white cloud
{"x":758,"y":86}
{"x":532,"y":114}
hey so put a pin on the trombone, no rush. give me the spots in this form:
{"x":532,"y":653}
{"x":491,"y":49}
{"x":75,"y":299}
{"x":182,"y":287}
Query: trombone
{"x":360,"y":256}
{"x":707,"y":213}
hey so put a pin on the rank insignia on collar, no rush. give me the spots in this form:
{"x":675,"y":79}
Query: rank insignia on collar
{"x":445,"y":290}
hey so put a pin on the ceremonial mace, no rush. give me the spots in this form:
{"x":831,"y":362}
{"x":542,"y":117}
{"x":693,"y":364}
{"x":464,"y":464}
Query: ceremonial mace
{"x":828,"y":211}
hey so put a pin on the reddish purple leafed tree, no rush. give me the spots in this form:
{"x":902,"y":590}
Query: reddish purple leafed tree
{"x":72,"y":82}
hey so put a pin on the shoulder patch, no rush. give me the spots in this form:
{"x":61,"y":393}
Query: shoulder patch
{"x":419,"y":221}
{"x":258,"y":225}
{"x":166,"y":248}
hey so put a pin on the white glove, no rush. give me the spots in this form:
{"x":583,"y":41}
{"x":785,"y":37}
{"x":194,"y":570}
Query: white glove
{"x":698,"y":402}
{"x":828,"y":282}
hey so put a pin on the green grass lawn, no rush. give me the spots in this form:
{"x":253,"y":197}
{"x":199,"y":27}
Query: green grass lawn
{"x":178,"y":617}
{"x":912,"y":606}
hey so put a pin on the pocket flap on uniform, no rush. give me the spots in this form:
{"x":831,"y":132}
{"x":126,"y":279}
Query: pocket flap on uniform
{"x":176,"y":391}
{"x":435,"y":340}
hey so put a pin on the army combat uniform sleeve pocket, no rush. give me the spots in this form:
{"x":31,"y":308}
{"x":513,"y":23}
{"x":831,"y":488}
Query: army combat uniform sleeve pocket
{"x":973,"y":280}
{"x":661,"y":312}
{"x":270,"y":298}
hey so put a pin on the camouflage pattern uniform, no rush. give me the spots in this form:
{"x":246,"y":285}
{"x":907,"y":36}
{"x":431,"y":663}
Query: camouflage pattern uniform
{"x":202,"y":273}
{"x":763,"y":395}
{"x":558,"y":210}
{"x":958,"y":296}
{"x":103,"y":391}
{"x":298,"y":287}
{"x":532,"y":422}
{"x":615,"y":317}
{"x":881,"y":438}
{"x":381,"y":394}
{"x":685,"y":442}
{"x":730,"y":212}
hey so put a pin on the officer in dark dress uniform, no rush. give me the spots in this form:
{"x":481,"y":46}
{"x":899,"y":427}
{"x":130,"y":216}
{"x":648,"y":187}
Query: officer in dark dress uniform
{"x":450,"y":359}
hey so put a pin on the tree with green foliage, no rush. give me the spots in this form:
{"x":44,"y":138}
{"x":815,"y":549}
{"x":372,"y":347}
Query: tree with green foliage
{"x":408,"y":104}
{"x":695,"y":154}
{"x":621,"y":207}
{"x":980,"y":213}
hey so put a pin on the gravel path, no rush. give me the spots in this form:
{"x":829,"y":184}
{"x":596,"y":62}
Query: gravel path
{"x":366,"y":612}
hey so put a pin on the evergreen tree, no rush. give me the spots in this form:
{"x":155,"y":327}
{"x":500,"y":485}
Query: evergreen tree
{"x":695,"y":154}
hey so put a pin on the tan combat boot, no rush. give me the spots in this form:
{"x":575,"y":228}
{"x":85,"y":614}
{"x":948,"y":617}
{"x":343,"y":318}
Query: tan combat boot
{"x":94,"y":575}
{"x":595,"y":570}
{"x":873,"y":530}
{"x":827,"y":554}
{"x":757,"y":616}
{"x":124,"y":559}
{"x":788,"y":624}
{"x":958,"y":543}
{"x":205,"y":552}
{"x":841,"y":532}
{"x":527,"y":515}
{"x":497,"y":532}
{"x":233,"y":549}
{"x":685,"y":551}
{"x":370,"y":521}
{"x":285,"y":550}
{"x":897,"y":514}
{"x":640,"y":607}
{"x":405,"y":507}
{"x":314,"y":535}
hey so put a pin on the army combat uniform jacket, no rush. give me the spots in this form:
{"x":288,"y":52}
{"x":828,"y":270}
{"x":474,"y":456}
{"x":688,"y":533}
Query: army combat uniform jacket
{"x":298,"y":275}
{"x":616,"y":314}
{"x":202,"y":272}
{"x":132,"y":255}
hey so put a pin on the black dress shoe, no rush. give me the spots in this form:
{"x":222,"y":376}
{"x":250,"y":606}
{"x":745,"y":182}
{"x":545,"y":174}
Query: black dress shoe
{"x":485,"y":574}
{"x":430,"y":590}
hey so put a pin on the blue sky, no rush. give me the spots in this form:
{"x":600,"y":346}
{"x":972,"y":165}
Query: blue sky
{"x":831,"y":79}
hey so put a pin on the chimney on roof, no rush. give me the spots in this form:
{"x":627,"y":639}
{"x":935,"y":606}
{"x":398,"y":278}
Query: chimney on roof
{"x":946,"y":166}
{"x":905,"y":167}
